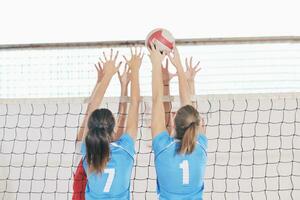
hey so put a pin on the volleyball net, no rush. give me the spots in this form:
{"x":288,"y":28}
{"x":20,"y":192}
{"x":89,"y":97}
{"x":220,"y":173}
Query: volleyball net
{"x":254,"y":139}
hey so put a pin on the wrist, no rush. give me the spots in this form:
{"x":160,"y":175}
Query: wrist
{"x":156,"y":63}
{"x":123,"y":89}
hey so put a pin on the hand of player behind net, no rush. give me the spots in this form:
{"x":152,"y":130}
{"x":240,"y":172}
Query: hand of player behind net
{"x":109,"y":65}
{"x":167,"y":75}
{"x":135,"y":61}
{"x":124,"y":78}
{"x":155,"y":56}
{"x":191,"y":70}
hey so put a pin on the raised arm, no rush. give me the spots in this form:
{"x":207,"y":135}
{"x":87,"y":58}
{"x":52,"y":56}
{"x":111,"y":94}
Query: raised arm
{"x":134,"y":66}
{"x":184,"y":91}
{"x":158,"y":114}
{"x":109,"y":69}
{"x":190,"y":74}
{"x":167,"y":76}
{"x":100,"y":75}
{"x":124,"y":79}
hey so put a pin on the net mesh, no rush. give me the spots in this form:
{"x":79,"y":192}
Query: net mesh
{"x":253,"y":151}
{"x":226,"y":69}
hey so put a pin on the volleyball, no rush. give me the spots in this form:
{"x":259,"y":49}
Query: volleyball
{"x":162,"y":39}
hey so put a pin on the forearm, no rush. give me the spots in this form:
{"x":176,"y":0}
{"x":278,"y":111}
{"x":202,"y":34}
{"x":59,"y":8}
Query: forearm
{"x":184,"y":90}
{"x":121,"y":114}
{"x":132,"y":121}
{"x":158,"y":113}
{"x":167,"y":107}
{"x":157,"y":85}
{"x":96,"y":99}
{"x":84,"y":122}
{"x":191,"y":84}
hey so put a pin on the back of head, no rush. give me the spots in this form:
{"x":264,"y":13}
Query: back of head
{"x":187,"y":121}
{"x":100,"y":129}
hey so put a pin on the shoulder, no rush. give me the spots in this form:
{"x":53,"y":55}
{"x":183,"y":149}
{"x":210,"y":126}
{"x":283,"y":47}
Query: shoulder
{"x":126,"y":143}
{"x":202,"y":140}
{"x":161,"y":142}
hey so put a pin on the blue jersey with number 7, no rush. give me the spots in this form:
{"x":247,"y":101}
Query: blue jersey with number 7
{"x":179,"y":177}
{"x":114,"y":182}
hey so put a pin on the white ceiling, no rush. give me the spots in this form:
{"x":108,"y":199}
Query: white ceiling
{"x":35,"y":21}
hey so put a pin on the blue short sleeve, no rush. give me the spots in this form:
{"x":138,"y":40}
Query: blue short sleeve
{"x":127,"y":143}
{"x":202,"y":139}
{"x":161,"y":141}
{"x":83,"y":149}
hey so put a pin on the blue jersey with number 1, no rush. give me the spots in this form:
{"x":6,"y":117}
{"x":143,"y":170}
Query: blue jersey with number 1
{"x":114,"y":182}
{"x":179,"y":177}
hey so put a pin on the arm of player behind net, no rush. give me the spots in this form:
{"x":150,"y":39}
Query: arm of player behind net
{"x":122,"y":110}
{"x":100,"y":75}
{"x":190,"y":74}
{"x":184,"y":90}
{"x":109,"y":69}
{"x":167,"y":76}
{"x":134,"y":65}
{"x":158,"y":114}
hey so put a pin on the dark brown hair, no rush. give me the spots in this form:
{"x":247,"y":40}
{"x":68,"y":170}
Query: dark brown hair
{"x":187,"y":120}
{"x":101,"y":125}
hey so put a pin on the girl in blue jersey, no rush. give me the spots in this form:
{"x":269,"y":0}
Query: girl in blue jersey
{"x":80,"y":178}
{"x":108,"y":163}
{"x":180,"y":159}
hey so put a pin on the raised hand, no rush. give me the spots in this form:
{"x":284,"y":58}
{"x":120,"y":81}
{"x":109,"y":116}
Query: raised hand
{"x":191,"y":70}
{"x":124,"y":78}
{"x":109,"y":65}
{"x":175,"y":58}
{"x":135,"y":61}
{"x":167,"y":76}
{"x":100,"y":72}
{"x":155,"y":56}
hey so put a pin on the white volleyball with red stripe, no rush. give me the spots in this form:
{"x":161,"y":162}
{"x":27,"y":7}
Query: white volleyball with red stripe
{"x":162,"y":39}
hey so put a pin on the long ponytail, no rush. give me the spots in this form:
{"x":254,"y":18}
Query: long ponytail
{"x":188,"y":141}
{"x":186,"y":122}
{"x":98,"y":151}
{"x":101,"y":125}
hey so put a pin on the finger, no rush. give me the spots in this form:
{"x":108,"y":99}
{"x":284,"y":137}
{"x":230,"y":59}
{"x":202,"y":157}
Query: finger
{"x":111,"y":54}
{"x":167,"y":64}
{"x":191,"y":61}
{"x":142,"y":56}
{"x":186,"y":64}
{"x":100,"y":66}
{"x":125,"y":69}
{"x":169,"y":56}
{"x":152,"y":46}
{"x":131,"y":51}
{"x":140,"y":52}
{"x":101,"y":60}
{"x":104,"y":56}
{"x":119,"y":65}
{"x":125,"y":59}
{"x":116,"y":56}
{"x":197,"y":70}
{"x":96,"y":67}
{"x":196,"y":66}
{"x":175,"y":51}
{"x":119,"y":75}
